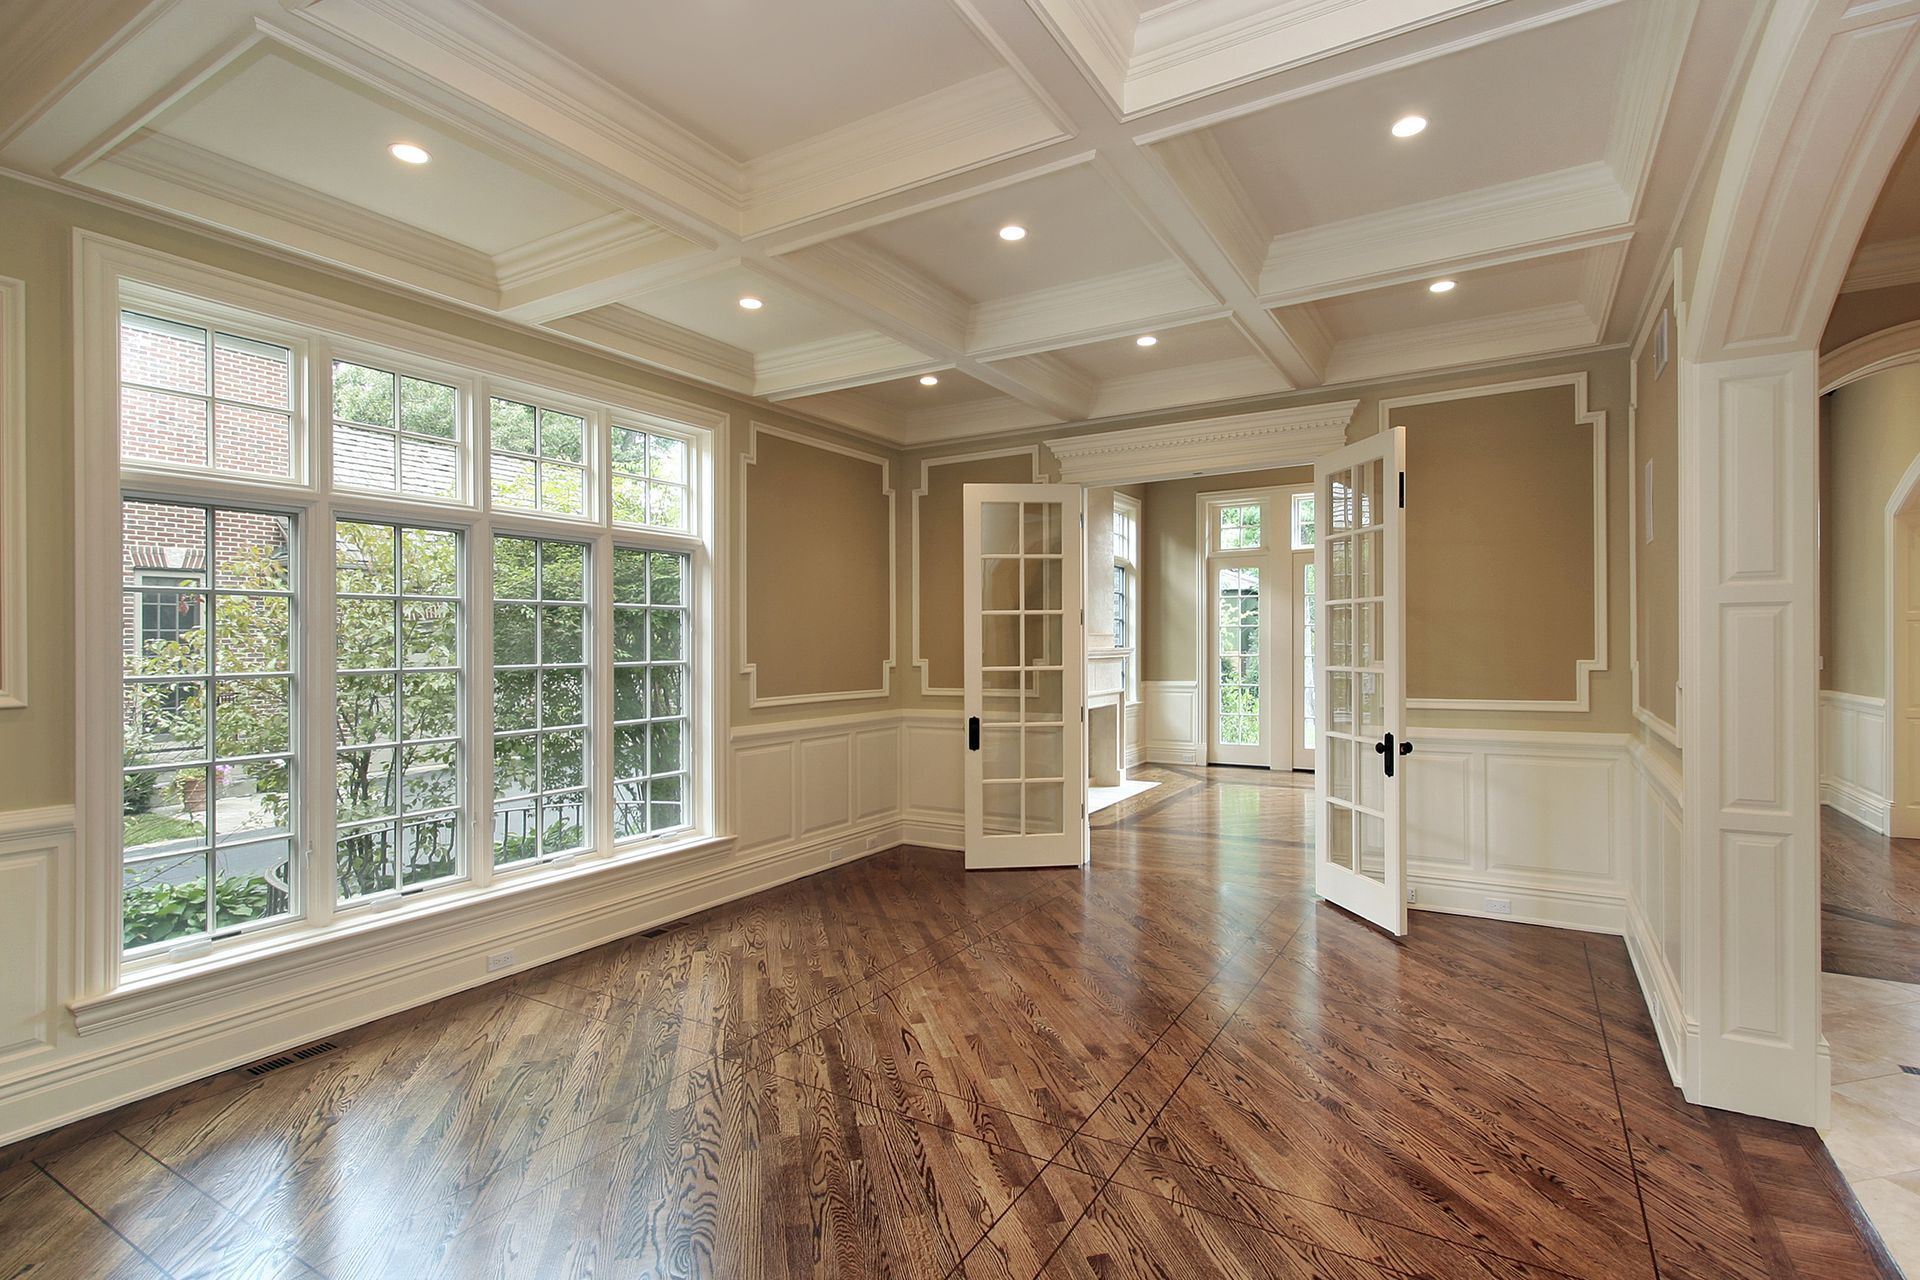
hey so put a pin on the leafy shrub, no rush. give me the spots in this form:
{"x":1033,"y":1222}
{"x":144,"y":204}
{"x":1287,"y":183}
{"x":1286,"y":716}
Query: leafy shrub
{"x":157,"y":912}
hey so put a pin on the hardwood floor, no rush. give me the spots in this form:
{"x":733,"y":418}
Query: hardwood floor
{"x":1173,"y":1064}
{"x":1869,"y":901}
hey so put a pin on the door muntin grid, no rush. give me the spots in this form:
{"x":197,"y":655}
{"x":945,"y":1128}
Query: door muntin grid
{"x":1023,"y":668}
{"x":1354,"y":821}
{"x":1236,"y":614}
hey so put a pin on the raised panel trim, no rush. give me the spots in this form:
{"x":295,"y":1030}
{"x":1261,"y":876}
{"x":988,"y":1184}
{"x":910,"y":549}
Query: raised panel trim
{"x":748,"y":667}
{"x":13,"y":492}
{"x":920,"y":490}
{"x":1676,"y":324}
{"x":1595,"y":420}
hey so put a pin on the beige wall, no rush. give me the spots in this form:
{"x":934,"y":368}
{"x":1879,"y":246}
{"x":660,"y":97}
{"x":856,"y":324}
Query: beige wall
{"x":36,"y":245}
{"x":1170,"y":532}
{"x":817,"y":594}
{"x":1656,"y":431}
{"x":1500,"y":554}
{"x":1869,"y":436}
{"x":937,"y":560}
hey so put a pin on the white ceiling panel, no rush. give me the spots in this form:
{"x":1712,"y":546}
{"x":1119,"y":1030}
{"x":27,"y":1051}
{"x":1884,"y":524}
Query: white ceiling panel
{"x":751,"y":78}
{"x":709,"y":305}
{"x":1477,"y":295}
{"x":1174,"y":348}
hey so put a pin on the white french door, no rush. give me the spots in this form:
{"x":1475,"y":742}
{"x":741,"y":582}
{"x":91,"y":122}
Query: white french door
{"x":1306,"y":731}
{"x":1026,"y":773}
{"x":1242,"y":637}
{"x":1360,"y":677}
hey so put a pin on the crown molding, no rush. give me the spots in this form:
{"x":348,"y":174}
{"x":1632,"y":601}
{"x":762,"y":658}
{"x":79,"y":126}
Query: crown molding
{"x":1537,"y":331}
{"x":986,"y":118}
{"x":173,"y":175}
{"x":1161,"y":293}
{"x":1216,"y":380}
{"x":880,"y":287}
{"x":834,"y":364}
{"x":1659,"y":43}
{"x":51,"y":45}
{"x":1883,"y":266}
{"x":969,"y":421}
{"x":1571,"y":208}
{"x":1195,"y":163}
{"x":1232,"y":442}
{"x":636,"y":336}
{"x":1099,"y":35}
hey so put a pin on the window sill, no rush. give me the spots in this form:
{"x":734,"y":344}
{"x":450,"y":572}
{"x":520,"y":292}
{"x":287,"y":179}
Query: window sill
{"x":164,"y":988}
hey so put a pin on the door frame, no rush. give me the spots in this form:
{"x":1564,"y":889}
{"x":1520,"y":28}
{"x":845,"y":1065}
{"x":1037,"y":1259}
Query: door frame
{"x":1304,"y":754}
{"x":1207,"y":634}
{"x":1903,"y":700}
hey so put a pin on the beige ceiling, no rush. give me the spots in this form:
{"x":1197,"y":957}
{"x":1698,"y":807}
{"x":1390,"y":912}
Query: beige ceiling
{"x":1216,"y":172}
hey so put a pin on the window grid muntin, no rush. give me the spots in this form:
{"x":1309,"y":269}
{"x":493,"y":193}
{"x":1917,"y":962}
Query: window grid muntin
{"x":538,"y":460}
{"x":401,"y":371}
{"x":657,"y":474}
{"x":661,"y":791}
{"x":402,"y":817}
{"x":208,"y":682}
{"x":542,"y":797}
{"x":214,"y":333}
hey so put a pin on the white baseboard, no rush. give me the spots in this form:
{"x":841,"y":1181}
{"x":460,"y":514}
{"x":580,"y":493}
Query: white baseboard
{"x":1173,"y":720}
{"x":1871,"y":811}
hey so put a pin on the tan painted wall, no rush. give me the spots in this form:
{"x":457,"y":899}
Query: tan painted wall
{"x":938,"y":563}
{"x":1657,"y":602}
{"x":1170,"y":533}
{"x":36,"y":742}
{"x":1500,"y":591}
{"x":1869,"y":436}
{"x":817,"y":582}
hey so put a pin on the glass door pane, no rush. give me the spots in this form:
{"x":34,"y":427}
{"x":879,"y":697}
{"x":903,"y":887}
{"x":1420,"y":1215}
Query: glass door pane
{"x":1237,"y":701}
{"x":1026,"y":759}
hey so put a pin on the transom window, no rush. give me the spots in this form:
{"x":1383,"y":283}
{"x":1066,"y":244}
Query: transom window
{"x":414,"y":758}
{"x":193,"y":396}
{"x":1238,"y":528}
{"x":539,"y":458}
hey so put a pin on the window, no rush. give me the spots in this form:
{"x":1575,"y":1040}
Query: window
{"x":208,"y":808}
{"x":650,"y":480}
{"x":1239,"y":528}
{"x":1302,"y":521}
{"x":198,"y":398}
{"x":539,"y":458}
{"x":398,"y":636}
{"x":540,"y":698}
{"x":652,"y":732}
{"x":1126,"y":589}
{"x":394,"y":434}
{"x":376,"y":639}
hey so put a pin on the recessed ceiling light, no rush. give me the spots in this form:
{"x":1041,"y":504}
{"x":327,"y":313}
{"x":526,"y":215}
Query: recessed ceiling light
{"x":1013,"y":231}
{"x":751,"y":303}
{"x":928,"y":380}
{"x":1145,"y":340}
{"x":1441,"y":286}
{"x":1407,"y":126}
{"x":408,"y":153}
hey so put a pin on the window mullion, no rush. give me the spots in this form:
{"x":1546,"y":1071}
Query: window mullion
{"x":478,"y":731}
{"x":318,"y":714}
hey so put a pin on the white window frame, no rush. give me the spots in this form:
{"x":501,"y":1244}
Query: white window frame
{"x":112,"y":275}
{"x":1129,"y":563}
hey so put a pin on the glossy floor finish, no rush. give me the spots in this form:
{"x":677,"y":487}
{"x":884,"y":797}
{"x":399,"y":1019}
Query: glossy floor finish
{"x":1869,"y":901}
{"x":1172,"y":1064}
{"x":1873,"y":1029}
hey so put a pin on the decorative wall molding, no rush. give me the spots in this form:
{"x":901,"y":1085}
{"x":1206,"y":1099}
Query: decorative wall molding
{"x":1233,"y":442}
{"x":1595,"y":420}
{"x":1887,"y":349}
{"x":1174,"y":731}
{"x":1636,"y":492}
{"x":1884,"y":266}
{"x":920,"y":490}
{"x":1855,"y":773}
{"x":1538,"y":821}
{"x":1657,"y":906}
{"x":748,"y":667}
{"x":13,"y":493}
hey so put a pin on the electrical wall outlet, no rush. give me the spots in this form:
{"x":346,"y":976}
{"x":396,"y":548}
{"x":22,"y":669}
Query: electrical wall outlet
{"x":499,"y":960}
{"x":1412,"y":895}
{"x":1498,"y":906}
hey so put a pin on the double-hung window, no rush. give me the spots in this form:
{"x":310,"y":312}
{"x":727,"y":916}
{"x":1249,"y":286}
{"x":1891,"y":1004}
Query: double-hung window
{"x":390,"y":623}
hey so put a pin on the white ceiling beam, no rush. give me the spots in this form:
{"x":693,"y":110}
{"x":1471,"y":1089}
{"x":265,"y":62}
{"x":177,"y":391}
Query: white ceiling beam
{"x":586,"y":267}
{"x":1162,"y":295}
{"x":1046,"y":382}
{"x":834,"y":364}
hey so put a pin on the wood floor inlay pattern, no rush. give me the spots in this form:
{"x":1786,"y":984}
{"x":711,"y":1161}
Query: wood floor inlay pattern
{"x":1175,"y":1064}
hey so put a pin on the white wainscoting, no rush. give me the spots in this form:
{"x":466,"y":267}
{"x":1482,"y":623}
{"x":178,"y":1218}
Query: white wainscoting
{"x":1136,"y":733}
{"x":806,"y":795}
{"x":1854,"y":777}
{"x":1531,"y":827}
{"x":1175,"y":730}
{"x":1656,"y":901}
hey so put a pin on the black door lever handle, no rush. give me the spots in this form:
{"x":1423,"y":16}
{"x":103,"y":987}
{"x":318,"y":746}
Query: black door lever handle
{"x":973,"y":733}
{"x":1385,"y":749}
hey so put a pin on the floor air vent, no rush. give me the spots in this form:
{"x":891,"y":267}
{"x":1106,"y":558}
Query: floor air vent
{"x":1912,"y":1071}
{"x":288,"y":1059}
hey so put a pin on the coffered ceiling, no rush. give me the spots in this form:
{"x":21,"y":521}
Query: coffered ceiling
{"x":1220,"y":175}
